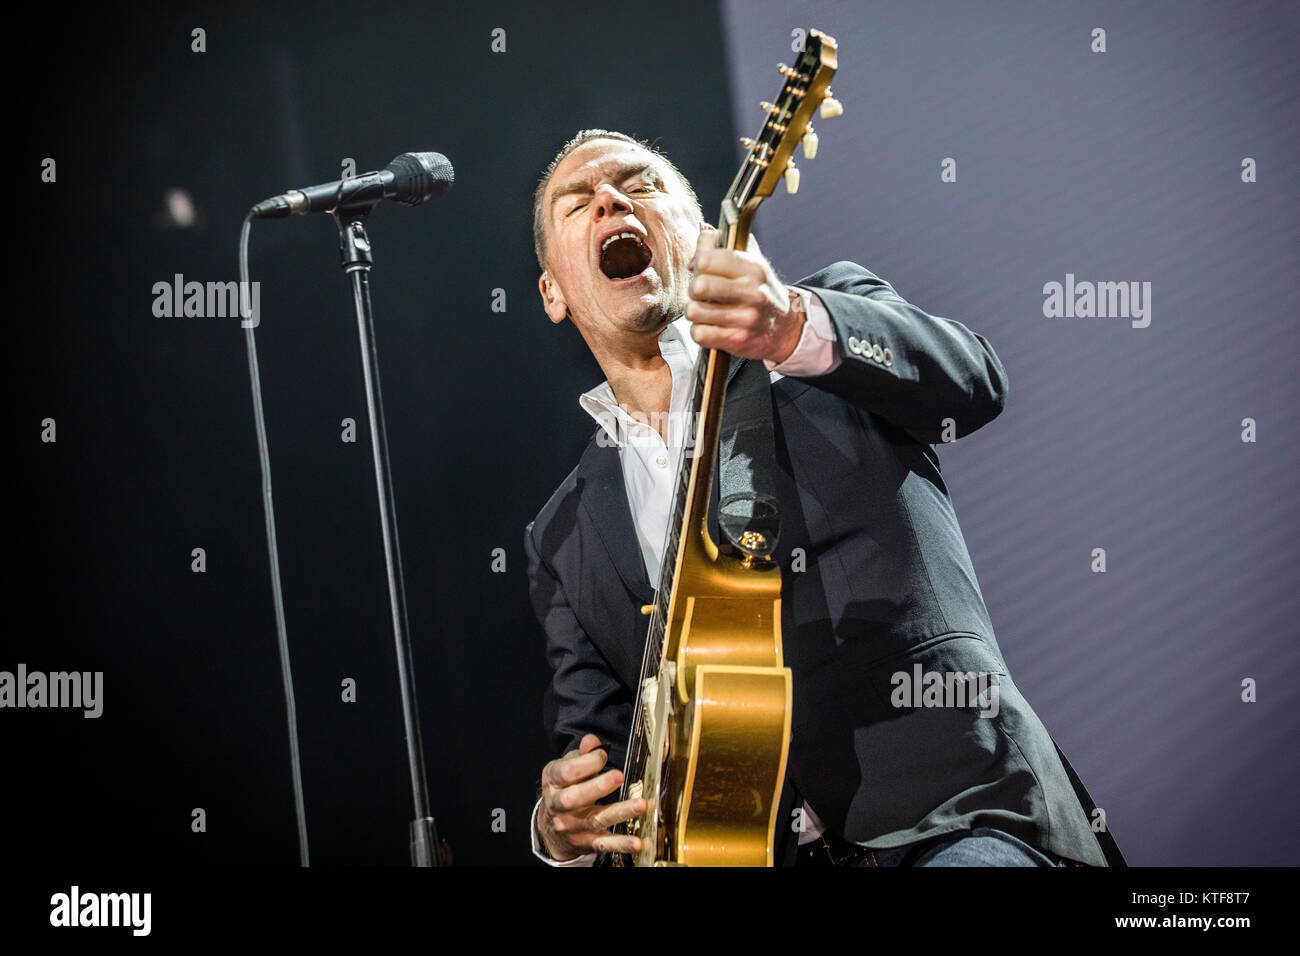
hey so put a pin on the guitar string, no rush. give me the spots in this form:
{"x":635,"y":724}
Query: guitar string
{"x":653,"y":649}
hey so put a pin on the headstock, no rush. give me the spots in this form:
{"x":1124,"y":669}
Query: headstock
{"x":787,"y":123}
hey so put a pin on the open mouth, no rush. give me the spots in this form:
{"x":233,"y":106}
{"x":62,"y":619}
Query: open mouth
{"x":624,"y":255}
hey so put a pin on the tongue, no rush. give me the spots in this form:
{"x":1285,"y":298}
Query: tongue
{"x":624,"y":258}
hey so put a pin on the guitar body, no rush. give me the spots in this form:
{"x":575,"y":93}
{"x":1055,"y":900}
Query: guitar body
{"x":719,"y":709}
{"x":711,"y":729}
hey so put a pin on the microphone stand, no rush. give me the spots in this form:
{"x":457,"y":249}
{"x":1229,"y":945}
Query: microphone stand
{"x":357,"y":259}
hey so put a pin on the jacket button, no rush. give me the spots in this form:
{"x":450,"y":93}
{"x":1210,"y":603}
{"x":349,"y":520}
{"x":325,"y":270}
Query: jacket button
{"x":855,"y":346}
{"x":877,"y":352}
{"x":889,"y":357}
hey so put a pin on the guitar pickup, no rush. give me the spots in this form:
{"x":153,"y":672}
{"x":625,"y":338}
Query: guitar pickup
{"x":649,"y":697}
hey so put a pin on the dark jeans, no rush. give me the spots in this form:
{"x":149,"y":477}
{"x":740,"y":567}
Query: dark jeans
{"x":982,"y":846}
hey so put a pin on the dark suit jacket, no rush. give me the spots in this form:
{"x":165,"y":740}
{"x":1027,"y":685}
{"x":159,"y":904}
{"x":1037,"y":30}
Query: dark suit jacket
{"x":876,"y":579}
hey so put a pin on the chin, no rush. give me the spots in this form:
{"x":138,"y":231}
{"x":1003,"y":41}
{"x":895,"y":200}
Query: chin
{"x":649,"y":320}
{"x":642,"y":312}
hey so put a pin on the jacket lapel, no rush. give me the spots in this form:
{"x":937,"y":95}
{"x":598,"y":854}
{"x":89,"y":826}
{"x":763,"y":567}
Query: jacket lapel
{"x":605,"y":502}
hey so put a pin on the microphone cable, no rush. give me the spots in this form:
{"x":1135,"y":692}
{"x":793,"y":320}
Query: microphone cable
{"x":268,"y":508}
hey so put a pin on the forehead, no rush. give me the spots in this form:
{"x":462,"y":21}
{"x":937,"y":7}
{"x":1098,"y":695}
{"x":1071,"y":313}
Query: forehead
{"x":601,"y":159}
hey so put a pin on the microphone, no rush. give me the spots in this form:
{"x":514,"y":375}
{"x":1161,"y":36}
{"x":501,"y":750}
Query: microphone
{"x":410,"y":179}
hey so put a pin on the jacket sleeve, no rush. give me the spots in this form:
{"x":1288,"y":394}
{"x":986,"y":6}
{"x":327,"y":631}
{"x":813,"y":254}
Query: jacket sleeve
{"x":584,"y":696}
{"x":929,"y":375}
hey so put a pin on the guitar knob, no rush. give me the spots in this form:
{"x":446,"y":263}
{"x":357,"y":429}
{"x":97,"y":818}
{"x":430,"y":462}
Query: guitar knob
{"x":792,"y":178}
{"x":831,"y":107}
{"x":809,"y":144}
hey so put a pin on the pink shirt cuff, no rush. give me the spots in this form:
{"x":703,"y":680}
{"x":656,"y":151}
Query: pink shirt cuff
{"x":816,"y":353}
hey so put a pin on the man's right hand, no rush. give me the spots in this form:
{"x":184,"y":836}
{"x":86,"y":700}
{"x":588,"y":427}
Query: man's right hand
{"x":570,"y":821}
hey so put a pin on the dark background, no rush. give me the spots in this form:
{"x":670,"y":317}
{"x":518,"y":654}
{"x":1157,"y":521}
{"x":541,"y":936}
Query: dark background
{"x":1115,"y":166}
{"x":156,"y":452}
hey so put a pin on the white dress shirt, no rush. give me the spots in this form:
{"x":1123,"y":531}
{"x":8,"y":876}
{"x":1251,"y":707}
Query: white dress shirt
{"x":650,"y":464}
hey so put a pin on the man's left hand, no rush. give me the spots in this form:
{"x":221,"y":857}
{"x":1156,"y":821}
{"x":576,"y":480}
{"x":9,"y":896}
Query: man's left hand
{"x":738,"y":304}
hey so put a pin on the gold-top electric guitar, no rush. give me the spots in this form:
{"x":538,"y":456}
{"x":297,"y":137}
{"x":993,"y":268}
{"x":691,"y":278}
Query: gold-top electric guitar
{"x":711,"y":726}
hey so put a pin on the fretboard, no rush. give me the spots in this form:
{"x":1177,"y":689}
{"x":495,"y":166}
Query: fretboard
{"x":654,"y":643}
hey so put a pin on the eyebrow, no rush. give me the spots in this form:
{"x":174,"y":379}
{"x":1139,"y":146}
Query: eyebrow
{"x":621,"y":174}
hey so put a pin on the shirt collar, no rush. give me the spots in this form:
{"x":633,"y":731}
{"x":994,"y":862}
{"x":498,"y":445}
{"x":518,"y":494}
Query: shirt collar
{"x":675,"y":345}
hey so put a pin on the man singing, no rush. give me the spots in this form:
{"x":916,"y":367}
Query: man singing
{"x":863,"y":384}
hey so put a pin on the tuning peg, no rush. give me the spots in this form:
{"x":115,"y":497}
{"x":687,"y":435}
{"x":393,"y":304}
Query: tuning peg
{"x":809,"y":144}
{"x":746,"y":142}
{"x":831,"y":106}
{"x":791,"y":177}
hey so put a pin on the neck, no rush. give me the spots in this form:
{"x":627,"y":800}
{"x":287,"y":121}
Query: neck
{"x":637,"y":374}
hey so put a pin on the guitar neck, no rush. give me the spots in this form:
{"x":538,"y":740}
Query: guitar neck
{"x":787,"y":123}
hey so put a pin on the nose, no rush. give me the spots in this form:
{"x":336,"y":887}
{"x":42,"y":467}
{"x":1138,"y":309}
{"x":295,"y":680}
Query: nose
{"x":609,"y":202}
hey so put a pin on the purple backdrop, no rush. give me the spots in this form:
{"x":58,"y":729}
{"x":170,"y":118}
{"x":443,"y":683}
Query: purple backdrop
{"x":1116,"y":166}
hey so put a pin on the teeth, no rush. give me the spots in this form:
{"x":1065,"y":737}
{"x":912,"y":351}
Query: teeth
{"x":619,"y":235}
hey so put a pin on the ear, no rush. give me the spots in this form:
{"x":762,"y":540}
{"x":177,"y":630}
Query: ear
{"x":552,"y":299}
